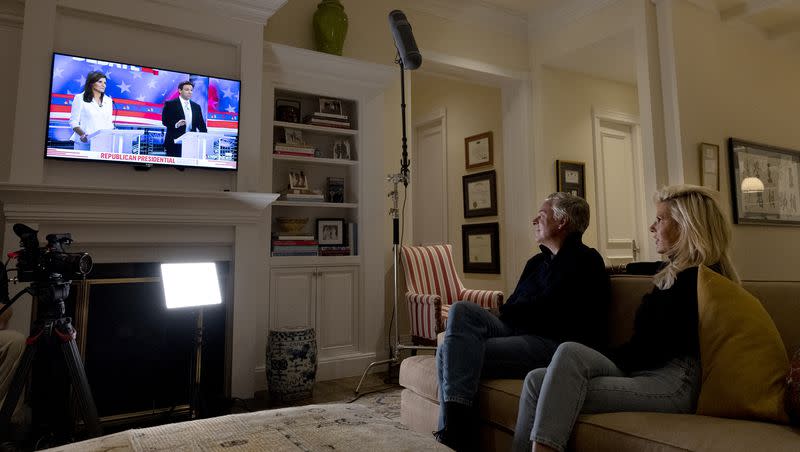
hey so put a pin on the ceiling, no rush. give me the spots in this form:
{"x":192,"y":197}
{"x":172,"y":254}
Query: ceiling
{"x":613,"y":57}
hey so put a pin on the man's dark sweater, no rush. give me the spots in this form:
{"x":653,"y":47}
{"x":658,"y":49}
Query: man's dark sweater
{"x":564,"y":297}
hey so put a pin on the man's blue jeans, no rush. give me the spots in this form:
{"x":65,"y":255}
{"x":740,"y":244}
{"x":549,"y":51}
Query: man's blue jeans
{"x":582,"y":380}
{"x":478,"y":344}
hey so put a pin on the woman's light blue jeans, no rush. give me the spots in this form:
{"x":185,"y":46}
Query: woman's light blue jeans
{"x":582,"y":380}
{"x":478,"y":344}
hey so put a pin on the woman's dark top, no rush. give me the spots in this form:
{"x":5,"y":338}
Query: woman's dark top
{"x":666,"y":324}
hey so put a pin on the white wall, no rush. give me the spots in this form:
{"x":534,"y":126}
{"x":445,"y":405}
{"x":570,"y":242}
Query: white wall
{"x":732,"y":82}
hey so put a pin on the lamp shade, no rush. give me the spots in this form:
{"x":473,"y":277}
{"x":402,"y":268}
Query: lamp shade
{"x":752,"y":185}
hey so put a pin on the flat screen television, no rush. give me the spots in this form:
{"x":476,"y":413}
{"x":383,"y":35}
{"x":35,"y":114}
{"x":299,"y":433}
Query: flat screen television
{"x":145,"y":116}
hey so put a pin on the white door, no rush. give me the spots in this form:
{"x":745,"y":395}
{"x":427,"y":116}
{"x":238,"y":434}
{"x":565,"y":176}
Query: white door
{"x":429,"y":177}
{"x":293,"y":295}
{"x":337,"y":308}
{"x":619,"y":217}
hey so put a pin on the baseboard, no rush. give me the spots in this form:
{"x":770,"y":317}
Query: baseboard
{"x":330,"y":368}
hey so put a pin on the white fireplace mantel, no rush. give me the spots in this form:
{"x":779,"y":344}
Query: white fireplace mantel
{"x":139,"y":224}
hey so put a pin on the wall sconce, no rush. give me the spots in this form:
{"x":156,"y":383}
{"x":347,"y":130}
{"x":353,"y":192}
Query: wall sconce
{"x":752,"y":185}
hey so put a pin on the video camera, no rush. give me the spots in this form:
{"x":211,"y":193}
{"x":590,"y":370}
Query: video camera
{"x":49,"y":262}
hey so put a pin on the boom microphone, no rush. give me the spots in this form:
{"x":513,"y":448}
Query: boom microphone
{"x":404,"y":40}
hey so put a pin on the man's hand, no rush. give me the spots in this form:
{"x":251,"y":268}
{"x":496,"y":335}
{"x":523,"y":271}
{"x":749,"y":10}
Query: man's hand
{"x":180,"y":123}
{"x":495,"y":311}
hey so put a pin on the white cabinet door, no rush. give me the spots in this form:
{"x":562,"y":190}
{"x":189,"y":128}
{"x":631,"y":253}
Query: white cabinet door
{"x":293,"y":296}
{"x":337,"y":310}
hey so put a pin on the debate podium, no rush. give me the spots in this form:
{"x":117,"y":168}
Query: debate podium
{"x":116,"y":141}
{"x":197,"y":145}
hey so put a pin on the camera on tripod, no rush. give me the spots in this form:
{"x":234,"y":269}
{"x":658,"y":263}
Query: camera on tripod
{"x":51,"y":261}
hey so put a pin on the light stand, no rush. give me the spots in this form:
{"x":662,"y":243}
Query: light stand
{"x":192,"y":285}
{"x":396,"y":347}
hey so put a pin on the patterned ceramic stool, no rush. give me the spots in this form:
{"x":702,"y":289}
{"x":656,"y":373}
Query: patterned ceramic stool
{"x":291,"y":363}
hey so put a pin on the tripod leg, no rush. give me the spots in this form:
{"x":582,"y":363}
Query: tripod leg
{"x":15,"y":391}
{"x":81,"y":386}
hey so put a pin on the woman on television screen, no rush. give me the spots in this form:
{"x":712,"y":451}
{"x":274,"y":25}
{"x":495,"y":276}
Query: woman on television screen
{"x":92,"y":111}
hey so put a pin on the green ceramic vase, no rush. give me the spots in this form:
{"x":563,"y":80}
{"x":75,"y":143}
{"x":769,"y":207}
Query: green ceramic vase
{"x":330,"y":27}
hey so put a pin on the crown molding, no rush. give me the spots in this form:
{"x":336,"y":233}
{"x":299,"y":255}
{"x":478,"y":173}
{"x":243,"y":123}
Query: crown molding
{"x":476,"y":12}
{"x":256,"y":11}
{"x":570,"y":11}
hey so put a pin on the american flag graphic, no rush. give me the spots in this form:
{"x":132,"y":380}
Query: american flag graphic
{"x":139,"y":94}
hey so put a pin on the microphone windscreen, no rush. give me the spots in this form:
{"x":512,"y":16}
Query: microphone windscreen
{"x":404,"y":40}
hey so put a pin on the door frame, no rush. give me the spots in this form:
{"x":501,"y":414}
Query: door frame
{"x":641,"y":198}
{"x":437,"y":117}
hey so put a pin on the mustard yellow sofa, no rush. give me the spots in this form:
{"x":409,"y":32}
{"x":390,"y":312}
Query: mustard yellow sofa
{"x":615,"y":432}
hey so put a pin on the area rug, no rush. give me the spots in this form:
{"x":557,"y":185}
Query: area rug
{"x":331,"y":427}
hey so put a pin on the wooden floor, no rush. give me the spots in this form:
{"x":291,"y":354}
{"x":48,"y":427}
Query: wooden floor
{"x":340,"y":390}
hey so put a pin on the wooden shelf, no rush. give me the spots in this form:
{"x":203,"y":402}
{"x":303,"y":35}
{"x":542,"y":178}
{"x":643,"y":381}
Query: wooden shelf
{"x":313,"y":261}
{"x":301,"y":126}
{"x":315,"y":160}
{"x":332,"y":205}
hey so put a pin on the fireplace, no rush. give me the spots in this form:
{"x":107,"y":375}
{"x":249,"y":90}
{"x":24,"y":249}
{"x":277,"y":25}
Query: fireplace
{"x":131,"y":226}
{"x":137,"y":353}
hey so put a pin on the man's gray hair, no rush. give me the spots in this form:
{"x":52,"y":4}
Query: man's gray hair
{"x":574,"y":208}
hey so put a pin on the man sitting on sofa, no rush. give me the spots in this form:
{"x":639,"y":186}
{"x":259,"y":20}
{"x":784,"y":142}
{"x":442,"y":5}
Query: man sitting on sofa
{"x":562,"y":295}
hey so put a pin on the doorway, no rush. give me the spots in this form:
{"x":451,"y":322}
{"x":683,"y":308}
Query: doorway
{"x":429,"y":175}
{"x":620,"y":188}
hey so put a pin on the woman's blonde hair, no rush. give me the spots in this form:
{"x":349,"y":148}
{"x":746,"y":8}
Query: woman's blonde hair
{"x":704,"y":236}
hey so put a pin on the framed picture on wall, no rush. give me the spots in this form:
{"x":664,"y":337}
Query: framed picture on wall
{"x":480,"y":244}
{"x":709,"y":165}
{"x":480,"y":194}
{"x":479,"y":150}
{"x":571,"y":177}
{"x":765,"y":183}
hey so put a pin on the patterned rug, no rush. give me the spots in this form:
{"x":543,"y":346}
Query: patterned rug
{"x":368,"y":424}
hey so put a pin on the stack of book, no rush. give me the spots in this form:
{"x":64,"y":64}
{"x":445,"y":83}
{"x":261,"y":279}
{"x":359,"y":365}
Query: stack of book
{"x":334,"y":250}
{"x":328,"y":120}
{"x":294,"y":245}
{"x":300,"y":150}
{"x":293,"y":195}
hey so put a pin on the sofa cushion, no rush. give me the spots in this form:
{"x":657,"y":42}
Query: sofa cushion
{"x":743,"y":358}
{"x":668,"y":432}
{"x":418,"y":373}
{"x":498,"y":401}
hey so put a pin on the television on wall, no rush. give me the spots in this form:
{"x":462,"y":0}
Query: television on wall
{"x":141,"y":115}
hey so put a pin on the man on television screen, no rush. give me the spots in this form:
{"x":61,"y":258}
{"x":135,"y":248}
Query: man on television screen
{"x":179,"y":116}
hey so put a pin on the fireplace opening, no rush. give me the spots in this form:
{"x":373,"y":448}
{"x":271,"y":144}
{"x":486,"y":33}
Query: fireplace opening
{"x":137,"y":353}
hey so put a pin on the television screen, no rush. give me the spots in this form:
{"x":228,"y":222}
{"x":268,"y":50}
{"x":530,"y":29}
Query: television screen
{"x":118,"y":112}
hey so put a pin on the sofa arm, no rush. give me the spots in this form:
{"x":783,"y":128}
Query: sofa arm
{"x":425,"y":314}
{"x":489,"y":299}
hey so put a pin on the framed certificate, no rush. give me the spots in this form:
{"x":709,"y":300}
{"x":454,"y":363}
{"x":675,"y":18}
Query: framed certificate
{"x":481,"y":247}
{"x":480,"y":194}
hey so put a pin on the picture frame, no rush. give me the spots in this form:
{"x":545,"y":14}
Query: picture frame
{"x":330,"y":106}
{"x":330,"y":231}
{"x":341,"y":149}
{"x":480,"y":194}
{"x":709,"y":165}
{"x":298,"y":180}
{"x":287,"y":110}
{"x":293,"y":136}
{"x":765,"y":183}
{"x":480,"y":245}
{"x":571,"y":177}
{"x":479,"y":151}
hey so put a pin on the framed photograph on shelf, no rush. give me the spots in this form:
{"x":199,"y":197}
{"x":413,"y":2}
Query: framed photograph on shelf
{"x":765,"y":183}
{"x":341,"y":149}
{"x":480,"y":194}
{"x":330,"y":231}
{"x":478,"y":149}
{"x":298,"y":180}
{"x":287,"y":110}
{"x":571,"y":177}
{"x":293,"y":136}
{"x":481,"y":247}
{"x":330,"y":106}
{"x":709,"y":165}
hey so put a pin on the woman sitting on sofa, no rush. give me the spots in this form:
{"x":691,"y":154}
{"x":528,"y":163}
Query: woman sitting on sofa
{"x":658,"y":370}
